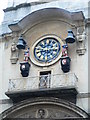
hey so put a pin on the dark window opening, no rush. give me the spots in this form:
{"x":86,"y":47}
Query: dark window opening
{"x":44,"y":80}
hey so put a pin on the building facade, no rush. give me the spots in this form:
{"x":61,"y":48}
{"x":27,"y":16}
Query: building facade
{"x":44,"y":60}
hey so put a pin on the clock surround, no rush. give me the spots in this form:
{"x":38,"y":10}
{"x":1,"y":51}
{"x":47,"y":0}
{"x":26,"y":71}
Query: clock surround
{"x":46,"y":50}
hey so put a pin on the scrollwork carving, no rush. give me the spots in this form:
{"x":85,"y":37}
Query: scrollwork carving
{"x":14,"y":53}
{"x":81,"y":37}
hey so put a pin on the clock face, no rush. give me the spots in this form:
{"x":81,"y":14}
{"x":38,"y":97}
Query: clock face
{"x":47,"y":49}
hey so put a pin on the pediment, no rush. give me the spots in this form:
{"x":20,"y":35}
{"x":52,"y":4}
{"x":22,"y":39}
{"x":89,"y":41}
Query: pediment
{"x":47,"y":14}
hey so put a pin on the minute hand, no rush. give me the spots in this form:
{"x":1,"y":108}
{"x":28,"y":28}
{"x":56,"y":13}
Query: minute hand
{"x":53,"y":48}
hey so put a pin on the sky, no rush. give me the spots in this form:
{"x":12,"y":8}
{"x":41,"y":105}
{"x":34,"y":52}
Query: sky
{"x":3,"y":5}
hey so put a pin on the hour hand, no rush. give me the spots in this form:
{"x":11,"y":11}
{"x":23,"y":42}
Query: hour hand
{"x":55,"y":48}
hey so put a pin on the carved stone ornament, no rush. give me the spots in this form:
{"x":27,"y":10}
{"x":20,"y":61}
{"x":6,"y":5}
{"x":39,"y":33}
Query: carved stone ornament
{"x":44,"y":108}
{"x":81,"y":37}
{"x":14,"y":53}
{"x":41,"y":113}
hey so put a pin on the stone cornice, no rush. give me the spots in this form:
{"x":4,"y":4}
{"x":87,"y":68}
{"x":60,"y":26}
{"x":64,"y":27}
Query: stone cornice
{"x":83,"y":95}
{"x":80,"y":95}
{"x":5,"y":101}
{"x":16,"y":7}
{"x":88,"y":21}
{"x":27,"y":5}
{"x":23,"y":5}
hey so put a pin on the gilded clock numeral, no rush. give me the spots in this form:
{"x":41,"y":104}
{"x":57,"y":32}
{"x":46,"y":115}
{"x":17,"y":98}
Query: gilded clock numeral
{"x":41,"y":57}
{"x":42,"y":43}
{"x":45,"y":57}
{"x":51,"y":56}
{"x":38,"y":47}
{"x":54,"y":52}
{"x":38,"y":54}
{"x":55,"y":44}
{"x":47,"y":41}
{"x":38,"y":50}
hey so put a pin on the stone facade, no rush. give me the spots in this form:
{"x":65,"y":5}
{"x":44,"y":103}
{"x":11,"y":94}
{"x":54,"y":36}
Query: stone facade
{"x":36,"y":21}
{"x":49,"y":108}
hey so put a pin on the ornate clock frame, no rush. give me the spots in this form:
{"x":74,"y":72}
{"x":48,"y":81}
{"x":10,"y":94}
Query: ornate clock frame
{"x":46,"y":50}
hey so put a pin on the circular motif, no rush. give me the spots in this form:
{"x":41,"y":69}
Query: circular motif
{"x":42,"y":113}
{"x":47,"y":49}
{"x":64,"y":61}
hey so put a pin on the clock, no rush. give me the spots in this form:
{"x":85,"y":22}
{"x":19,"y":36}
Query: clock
{"x":47,"y":49}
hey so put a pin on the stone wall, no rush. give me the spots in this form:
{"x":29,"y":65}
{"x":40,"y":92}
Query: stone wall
{"x":16,"y":12}
{"x":16,"y":8}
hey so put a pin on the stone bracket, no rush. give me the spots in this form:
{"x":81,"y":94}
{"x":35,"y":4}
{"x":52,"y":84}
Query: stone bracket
{"x":14,"y":53}
{"x":81,"y":37}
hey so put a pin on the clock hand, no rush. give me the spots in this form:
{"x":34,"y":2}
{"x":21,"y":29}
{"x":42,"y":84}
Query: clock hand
{"x":53,"y":48}
{"x":45,"y":57}
{"x":54,"y":44}
{"x":45,"y":48}
{"x":39,"y":49}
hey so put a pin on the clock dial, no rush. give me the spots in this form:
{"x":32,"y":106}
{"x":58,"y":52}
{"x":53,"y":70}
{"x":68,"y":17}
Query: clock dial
{"x":47,"y":49}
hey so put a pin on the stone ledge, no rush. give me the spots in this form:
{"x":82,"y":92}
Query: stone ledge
{"x":5,"y":101}
{"x":23,"y":5}
{"x":83,"y":95}
{"x":80,"y":95}
{"x":68,"y":94}
{"x":16,"y":7}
